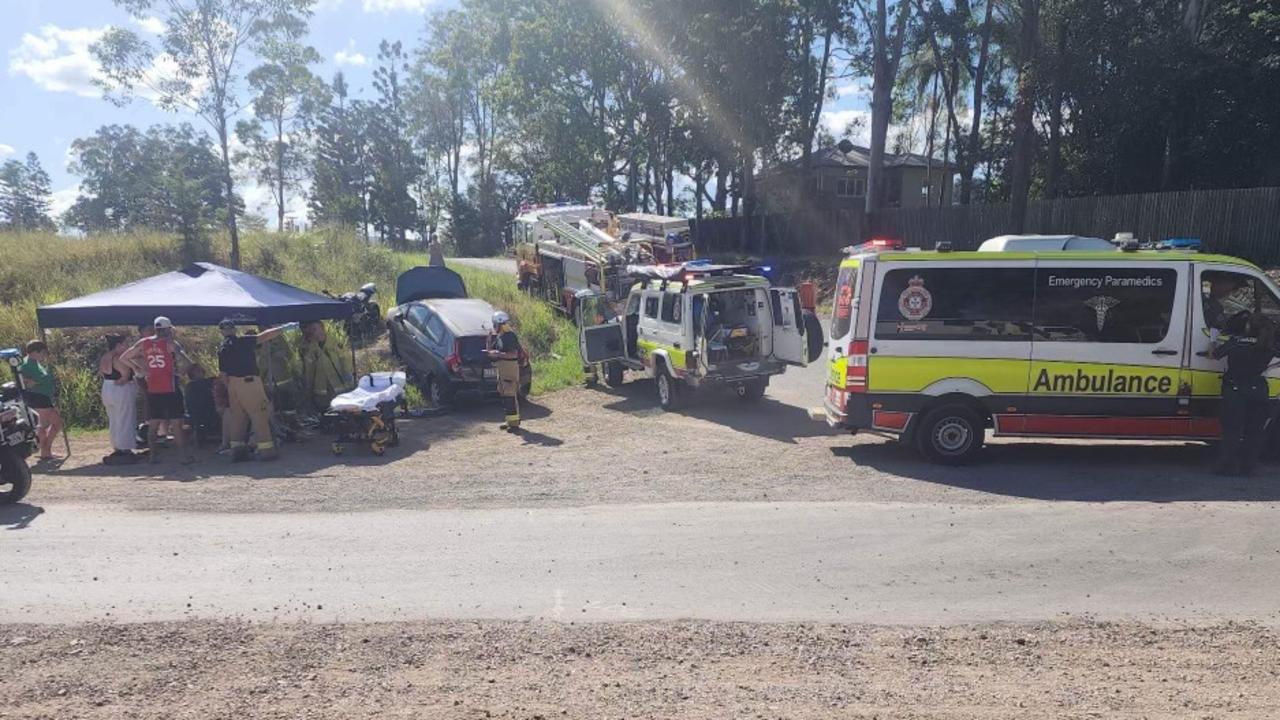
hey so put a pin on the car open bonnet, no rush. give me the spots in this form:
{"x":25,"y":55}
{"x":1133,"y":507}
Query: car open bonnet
{"x":429,"y":283}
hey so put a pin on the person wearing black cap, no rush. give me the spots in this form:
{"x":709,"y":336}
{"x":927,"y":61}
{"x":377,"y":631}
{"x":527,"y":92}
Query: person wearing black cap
{"x":249,"y":407}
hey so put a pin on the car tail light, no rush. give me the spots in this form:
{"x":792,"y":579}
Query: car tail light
{"x":691,"y":360}
{"x":9,"y":415}
{"x":856,"y":364}
{"x":454,"y":361}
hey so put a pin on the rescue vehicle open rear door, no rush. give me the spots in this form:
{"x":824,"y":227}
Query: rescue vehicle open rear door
{"x":789,"y":344}
{"x":601,"y":337}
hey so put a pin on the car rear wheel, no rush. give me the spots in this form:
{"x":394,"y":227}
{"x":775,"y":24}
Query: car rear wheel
{"x":438,"y":391}
{"x":951,"y":435}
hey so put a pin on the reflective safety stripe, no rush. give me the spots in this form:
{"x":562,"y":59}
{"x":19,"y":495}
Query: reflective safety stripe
{"x":648,"y":347}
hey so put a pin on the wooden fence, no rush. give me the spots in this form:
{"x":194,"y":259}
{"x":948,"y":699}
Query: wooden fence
{"x":1244,"y":222}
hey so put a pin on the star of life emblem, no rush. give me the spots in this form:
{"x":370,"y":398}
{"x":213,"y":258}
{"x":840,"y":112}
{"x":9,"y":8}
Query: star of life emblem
{"x":915,"y":302}
{"x":1101,"y":305}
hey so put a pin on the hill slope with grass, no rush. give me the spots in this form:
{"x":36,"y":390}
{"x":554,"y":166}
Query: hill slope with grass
{"x":43,"y":268}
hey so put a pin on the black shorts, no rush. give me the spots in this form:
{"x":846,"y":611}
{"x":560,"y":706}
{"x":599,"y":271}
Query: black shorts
{"x":37,"y":401}
{"x":165,"y":406}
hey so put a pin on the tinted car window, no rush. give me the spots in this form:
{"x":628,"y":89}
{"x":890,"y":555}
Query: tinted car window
{"x":842,"y":314}
{"x":956,"y":304}
{"x":651,"y":307}
{"x":1107,"y":305}
{"x":418,"y":317}
{"x":435,"y":329}
{"x":1227,"y":294}
{"x":670,"y":308}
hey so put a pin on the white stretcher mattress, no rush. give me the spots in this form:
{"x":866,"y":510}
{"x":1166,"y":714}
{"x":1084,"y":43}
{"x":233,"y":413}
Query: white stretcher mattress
{"x":372,"y":390}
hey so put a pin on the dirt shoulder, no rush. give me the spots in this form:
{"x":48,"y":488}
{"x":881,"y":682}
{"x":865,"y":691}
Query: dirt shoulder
{"x":685,"y":670}
{"x":606,"y":446}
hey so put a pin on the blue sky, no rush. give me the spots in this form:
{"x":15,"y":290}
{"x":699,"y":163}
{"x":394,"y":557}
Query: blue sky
{"x":47,"y":99}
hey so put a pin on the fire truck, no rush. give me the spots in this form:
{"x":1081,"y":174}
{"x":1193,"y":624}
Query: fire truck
{"x":564,"y":249}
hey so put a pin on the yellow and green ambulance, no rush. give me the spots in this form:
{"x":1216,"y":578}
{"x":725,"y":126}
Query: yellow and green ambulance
{"x":939,"y":347}
{"x":694,"y":325}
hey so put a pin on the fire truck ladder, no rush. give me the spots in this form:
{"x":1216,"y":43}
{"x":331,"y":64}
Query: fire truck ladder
{"x":573,"y":237}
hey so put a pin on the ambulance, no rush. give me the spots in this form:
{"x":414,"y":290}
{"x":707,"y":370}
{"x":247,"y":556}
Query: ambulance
{"x":939,"y":347}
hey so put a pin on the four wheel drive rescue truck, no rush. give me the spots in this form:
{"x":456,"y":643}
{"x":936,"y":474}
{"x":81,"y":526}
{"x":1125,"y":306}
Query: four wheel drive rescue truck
{"x":937,"y":347}
{"x":692,"y":325}
{"x":564,"y":249}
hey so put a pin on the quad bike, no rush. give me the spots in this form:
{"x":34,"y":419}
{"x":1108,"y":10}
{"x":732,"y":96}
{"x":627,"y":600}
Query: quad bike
{"x":366,"y":317}
{"x":17,"y":434}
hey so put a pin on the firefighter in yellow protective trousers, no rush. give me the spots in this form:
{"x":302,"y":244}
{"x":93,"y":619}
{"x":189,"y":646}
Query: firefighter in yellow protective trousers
{"x":249,"y":407}
{"x":504,"y":349}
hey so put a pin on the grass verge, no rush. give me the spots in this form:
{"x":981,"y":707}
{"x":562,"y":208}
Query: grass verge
{"x":43,"y":268}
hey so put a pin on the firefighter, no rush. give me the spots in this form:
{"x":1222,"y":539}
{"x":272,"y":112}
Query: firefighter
{"x":249,"y":407}
{"x":1245,"y":395}
{"x":504,"y":348}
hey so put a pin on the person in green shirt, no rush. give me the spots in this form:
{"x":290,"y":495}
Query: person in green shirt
{"x":39,"y":390}
{"x":326,"y":366}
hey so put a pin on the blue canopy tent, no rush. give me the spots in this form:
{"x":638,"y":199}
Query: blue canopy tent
{"x":199,"y":294}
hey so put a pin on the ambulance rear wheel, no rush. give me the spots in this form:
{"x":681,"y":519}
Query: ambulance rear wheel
{"x":613,"y":374}
{"x":670,"y":392}
{"x":950,"y":435}
{"x":751,"y":391}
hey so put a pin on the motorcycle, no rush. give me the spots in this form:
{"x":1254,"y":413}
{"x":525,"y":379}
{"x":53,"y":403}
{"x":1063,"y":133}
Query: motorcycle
{"x":366,"y":318}
{"x":17,"y":434}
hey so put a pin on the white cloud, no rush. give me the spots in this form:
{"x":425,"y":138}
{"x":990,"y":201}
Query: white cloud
{"x":6,"y":150}
{"x":385,"y":6}
{"x":151,"y":24}
{"x":62,"y":200}
{"x":350,"y":56}
{"x":58,"y":59}
{"x":837,"y":122}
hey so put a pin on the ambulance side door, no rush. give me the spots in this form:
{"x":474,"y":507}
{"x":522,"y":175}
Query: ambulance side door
{"x":1110,"y":345}
{"x":1223,"y":291}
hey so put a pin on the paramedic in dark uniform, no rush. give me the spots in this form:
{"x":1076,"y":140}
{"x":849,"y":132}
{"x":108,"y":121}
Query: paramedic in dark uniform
{"x":1245,"y":402}
{"x":249,"y":407}
{"x":504,"y":349}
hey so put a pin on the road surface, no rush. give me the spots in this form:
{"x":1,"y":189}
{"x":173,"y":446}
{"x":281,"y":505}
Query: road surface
{"x":506,"y":266}
{"x":847,"y":562}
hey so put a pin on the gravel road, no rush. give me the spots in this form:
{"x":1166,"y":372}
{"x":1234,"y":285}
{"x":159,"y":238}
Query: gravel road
{"x":685,"y":671}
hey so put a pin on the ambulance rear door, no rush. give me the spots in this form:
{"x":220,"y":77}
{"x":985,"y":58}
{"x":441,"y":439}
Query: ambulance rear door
{"x":789,"y":343}
{"x":1109,"y":349}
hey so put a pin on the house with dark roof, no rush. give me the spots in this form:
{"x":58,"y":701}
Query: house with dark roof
{"x":836,"y":179}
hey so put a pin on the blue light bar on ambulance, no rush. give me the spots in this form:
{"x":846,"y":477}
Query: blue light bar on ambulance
{"x":876,"y":245}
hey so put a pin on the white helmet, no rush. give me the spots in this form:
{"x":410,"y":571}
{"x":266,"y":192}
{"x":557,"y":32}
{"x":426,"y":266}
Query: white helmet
{"x":499,"y":319}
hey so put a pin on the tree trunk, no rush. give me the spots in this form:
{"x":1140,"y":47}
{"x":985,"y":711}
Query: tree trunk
{"x":230,"y":187}
{"x":722,"y":188}
{"x":928,"y":143}
{"x":973,"y":148}
{"x":1024,"y":133}
{"x":887,"y":56}
{"x":1053,"y":166}
{"x":280,"y":177}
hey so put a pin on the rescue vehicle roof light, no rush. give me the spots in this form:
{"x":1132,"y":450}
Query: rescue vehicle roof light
{"x":876,"y":245}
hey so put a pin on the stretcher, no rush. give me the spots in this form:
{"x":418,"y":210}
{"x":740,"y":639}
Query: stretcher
{"x":367,"y":414}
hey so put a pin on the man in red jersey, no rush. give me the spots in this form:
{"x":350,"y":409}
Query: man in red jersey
{"x":159,"y":358}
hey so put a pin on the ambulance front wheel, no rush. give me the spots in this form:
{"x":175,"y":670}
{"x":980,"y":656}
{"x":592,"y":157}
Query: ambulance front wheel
{"x":951,"y":434}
